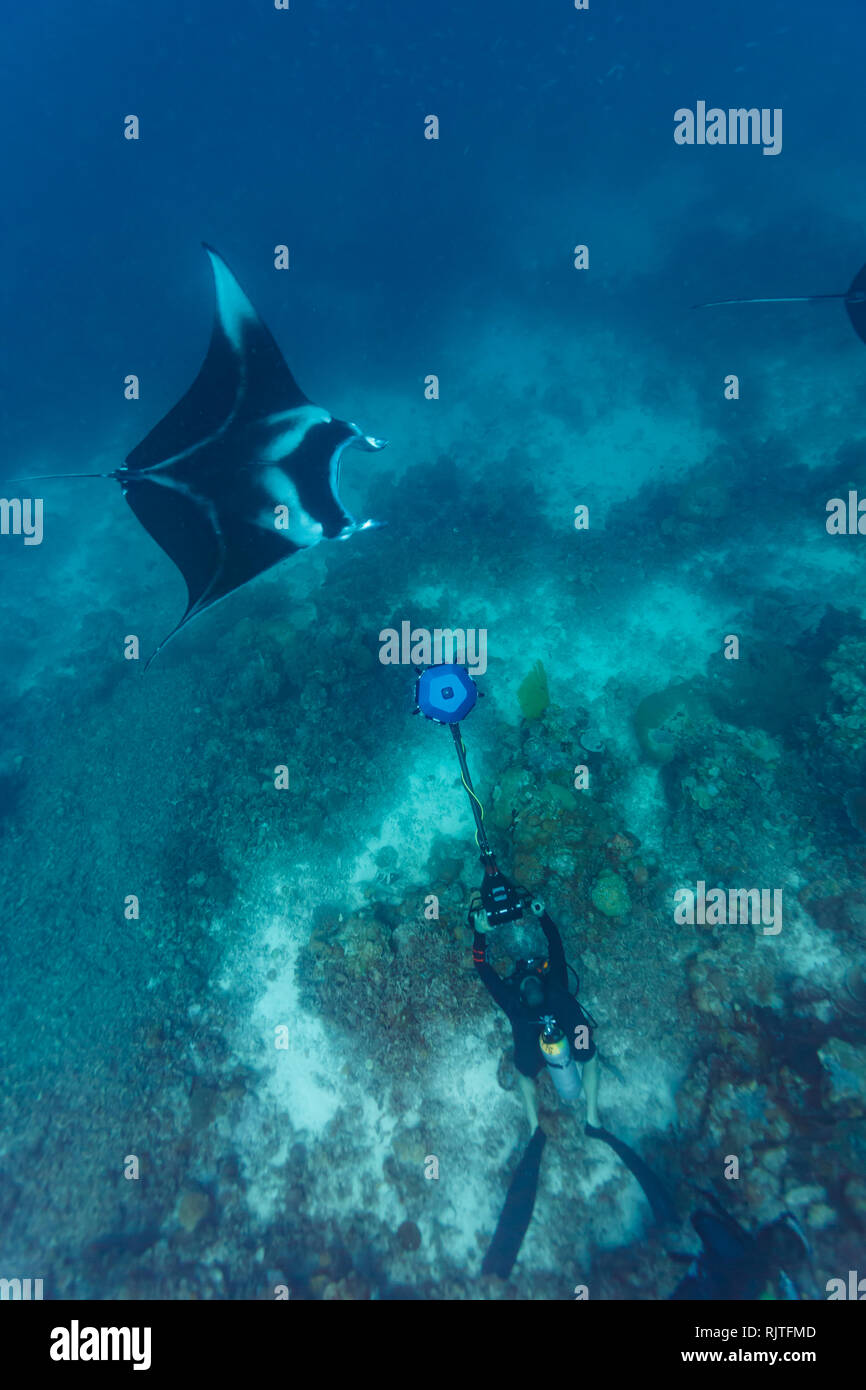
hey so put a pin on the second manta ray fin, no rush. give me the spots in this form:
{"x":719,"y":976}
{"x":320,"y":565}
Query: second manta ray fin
{"x":854,"y":298}
{"x":244,"y":471}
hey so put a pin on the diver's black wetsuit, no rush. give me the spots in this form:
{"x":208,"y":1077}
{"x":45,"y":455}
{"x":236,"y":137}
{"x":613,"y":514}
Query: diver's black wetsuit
{"x":526,"y":1023}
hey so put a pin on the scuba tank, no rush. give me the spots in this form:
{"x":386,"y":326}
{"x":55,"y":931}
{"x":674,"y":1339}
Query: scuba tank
{"x":556,"y":1049}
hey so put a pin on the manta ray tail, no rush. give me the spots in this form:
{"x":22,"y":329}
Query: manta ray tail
{"x":785,"y":299}
{"x":56,"y":477}
{"x":156,"y":651}
{"x":854,"y":299}
{"x":164,"y":643}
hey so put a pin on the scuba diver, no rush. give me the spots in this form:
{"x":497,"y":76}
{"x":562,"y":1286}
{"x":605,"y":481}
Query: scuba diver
{"x":547,"y":1023}
{"x":549,"y":1026}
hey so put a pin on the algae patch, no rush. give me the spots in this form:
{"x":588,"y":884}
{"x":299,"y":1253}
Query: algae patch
{"x":533,"y":695}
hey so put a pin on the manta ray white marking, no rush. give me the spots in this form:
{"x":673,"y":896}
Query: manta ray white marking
{"x":302,"y":419}
{"x":232,"y":304}
{"x":302,"y":530}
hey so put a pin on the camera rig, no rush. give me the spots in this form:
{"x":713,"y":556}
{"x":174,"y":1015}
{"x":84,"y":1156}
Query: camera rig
{"x":446,"y":694}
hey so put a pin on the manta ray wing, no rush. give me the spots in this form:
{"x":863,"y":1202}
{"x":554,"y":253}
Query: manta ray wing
{"x":243,"y":371}
{"x":216,"y":550}
{"x":243,"y":472}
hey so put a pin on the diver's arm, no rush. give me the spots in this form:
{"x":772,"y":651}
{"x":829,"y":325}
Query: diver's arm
{"x":555,"y":948}
{"x":477,"y":918}
{"x":487,"y":974}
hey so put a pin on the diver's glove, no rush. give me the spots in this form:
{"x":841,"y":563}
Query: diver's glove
{"x":476,"y":916}
{"x":538,"y":907}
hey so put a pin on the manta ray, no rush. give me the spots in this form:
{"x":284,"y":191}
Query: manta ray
{"x":244,"y":470}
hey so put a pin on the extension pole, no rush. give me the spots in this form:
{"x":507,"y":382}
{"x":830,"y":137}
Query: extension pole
{"x":483,"y":842}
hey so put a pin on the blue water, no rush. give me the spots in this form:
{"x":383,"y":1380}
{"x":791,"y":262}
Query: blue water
{"x":166,"y":907}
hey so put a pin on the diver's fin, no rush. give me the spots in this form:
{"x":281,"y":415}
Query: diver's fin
{"x":722,"y":1236}
{"x":517,"y":1212}
{"x":656,"y":1194}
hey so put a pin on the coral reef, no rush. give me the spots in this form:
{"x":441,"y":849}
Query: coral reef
{"x":310,"y":909}
{"x":663,"y":720}
{"x":610,"y":894}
